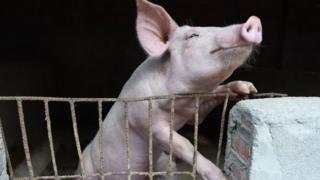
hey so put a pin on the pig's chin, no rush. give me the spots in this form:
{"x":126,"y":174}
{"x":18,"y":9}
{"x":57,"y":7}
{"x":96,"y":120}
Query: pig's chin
{"x":236,"y":56}
{"x":239,"y":51}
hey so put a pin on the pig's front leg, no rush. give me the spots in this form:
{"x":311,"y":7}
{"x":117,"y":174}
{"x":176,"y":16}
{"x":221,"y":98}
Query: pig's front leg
{"x":235,"y":89}
{"x":184,"y":150}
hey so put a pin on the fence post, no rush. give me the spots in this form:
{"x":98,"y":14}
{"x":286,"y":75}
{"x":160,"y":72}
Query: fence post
{"x":3,"y":162}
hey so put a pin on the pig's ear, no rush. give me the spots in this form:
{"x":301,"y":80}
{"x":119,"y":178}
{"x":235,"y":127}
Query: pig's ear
{"x":154,"y":26}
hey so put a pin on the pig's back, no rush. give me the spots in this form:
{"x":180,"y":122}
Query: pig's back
{"x":146,"y":80}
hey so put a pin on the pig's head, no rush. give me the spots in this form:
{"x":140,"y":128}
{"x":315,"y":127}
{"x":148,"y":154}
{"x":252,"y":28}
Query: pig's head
{"x":199,"y":56}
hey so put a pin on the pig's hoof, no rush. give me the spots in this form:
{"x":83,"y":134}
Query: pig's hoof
{"x":242,"y":87}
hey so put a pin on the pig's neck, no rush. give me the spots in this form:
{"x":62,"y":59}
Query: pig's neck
{"x":179,"y":83}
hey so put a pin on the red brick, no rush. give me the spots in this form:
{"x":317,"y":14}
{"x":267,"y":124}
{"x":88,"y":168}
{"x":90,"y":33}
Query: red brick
{"x":247,"y":124}
{"x":241,"y":147}
{"x":239,"y":173}
{"x":229,"y":177}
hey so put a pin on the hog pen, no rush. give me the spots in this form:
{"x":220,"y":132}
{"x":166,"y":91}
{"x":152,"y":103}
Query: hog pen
{"x":266,"y":139}
{"x":72,"y":102}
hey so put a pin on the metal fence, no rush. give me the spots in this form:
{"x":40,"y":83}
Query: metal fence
{"x":125,"y":101}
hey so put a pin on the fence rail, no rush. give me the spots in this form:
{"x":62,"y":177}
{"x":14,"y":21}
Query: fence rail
{"x":99,"y":101}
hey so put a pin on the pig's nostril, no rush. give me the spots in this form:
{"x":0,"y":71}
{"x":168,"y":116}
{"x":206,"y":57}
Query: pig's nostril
{"x":249,"y":29}
{"x":253,"y":28}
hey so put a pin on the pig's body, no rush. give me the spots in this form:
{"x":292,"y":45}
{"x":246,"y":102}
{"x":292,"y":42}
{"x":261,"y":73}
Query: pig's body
{"x":141,"y":84}
{"x":181,"y":60}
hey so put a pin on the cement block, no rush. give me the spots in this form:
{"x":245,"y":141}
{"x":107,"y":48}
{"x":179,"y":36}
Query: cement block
{"x":274,"y":139}
{"x":3,"y":164}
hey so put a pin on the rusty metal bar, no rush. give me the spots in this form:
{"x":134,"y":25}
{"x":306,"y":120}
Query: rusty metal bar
{"x":196,"y":124}
{"x":101,"y":156}
{"x":56,"y":99}
{"x":127,"y":139}
{"x":105,"y":174}
{"x":76,"y":100}
{"x":223,"y":119}
{"x":172,"y":111}
{"x":11,"y":174}
{"x":150,"y":139}
{"x":51,"y":145}
{"x":76,"y":136}
{"x":25,"y":139}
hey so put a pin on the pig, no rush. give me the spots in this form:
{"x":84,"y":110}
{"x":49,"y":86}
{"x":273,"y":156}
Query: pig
{"x":181,"y":59}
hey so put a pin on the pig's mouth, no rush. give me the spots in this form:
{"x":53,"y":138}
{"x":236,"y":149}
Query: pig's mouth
{"x":229,"y":48}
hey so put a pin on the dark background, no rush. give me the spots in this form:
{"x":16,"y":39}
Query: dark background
{"x":88,"y":48}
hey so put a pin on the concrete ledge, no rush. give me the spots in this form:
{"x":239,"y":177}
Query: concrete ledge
{"x":274,"y":139}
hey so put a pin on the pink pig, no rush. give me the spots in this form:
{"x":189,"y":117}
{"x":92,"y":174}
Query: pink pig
{"x":182,"y":59}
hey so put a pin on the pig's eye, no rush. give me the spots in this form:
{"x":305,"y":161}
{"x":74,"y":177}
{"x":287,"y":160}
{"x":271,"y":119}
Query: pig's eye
{"x":193,"y":35}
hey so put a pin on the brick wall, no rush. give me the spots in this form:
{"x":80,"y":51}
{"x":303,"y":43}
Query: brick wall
{"x":239,"y":148}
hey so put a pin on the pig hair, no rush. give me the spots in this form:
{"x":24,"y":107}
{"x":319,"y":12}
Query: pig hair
{"x":251,"y":60}
{"x":189,"y":22}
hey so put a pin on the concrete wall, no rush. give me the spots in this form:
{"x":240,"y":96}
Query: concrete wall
{"x":274,"y":139}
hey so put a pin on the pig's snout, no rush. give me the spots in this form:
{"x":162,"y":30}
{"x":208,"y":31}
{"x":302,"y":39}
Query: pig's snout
{"x":251,"y":31}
